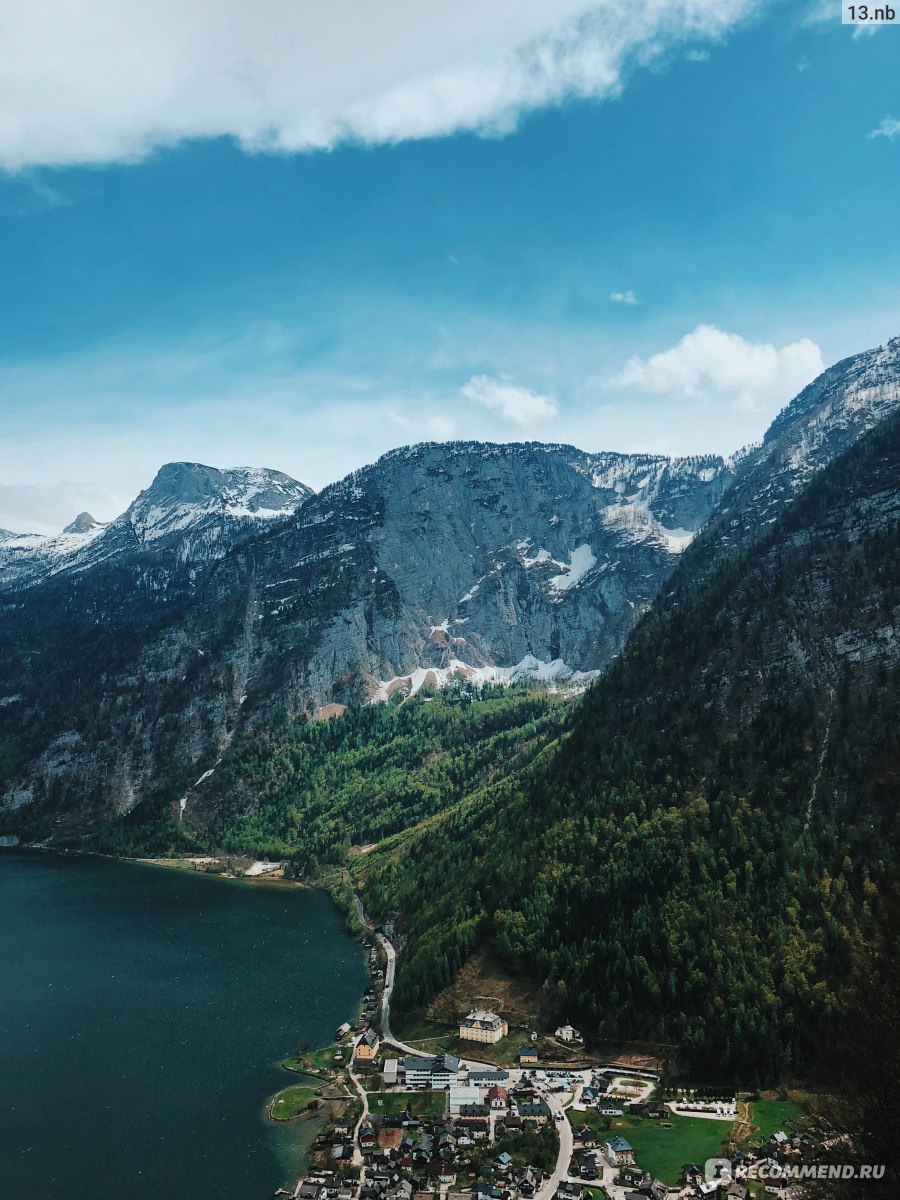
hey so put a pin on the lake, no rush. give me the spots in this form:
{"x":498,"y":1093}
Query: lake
{"x":143,"y":1014}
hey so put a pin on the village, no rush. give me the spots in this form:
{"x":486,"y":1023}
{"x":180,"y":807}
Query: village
{"x":420,"y":1125}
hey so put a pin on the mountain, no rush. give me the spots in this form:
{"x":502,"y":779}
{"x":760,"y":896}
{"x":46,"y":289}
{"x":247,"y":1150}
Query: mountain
{"x":189,"y":513}
{"x":222,"y":603}
{"x":131,"y":662}
{"x":693,"y":862}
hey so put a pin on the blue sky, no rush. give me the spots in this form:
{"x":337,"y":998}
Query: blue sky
{"x":651,"y":246}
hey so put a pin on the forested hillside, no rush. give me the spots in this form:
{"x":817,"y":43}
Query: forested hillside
{"x":693,"y":862}
{"x":314,"y":792}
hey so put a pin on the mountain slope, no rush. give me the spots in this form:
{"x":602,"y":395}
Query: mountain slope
{"x":691,"y":864}
{"x":132,"y":654}
{"x":128,"y":671}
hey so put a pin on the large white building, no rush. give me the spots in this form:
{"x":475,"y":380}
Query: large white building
{"x":482,"y":1026}
{"x":436,"y":1073}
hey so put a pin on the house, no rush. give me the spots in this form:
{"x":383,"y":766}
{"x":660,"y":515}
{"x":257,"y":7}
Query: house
{"x":483,"y":1026}
{"x":567,"y":1033}
{"x":737,"y":1191}
{"x":587,"y":1166}
{"x":528,"y":1182}
{"x":367,"y":1047}
{"x":607,"y":1109}
{"x":342,"y":1031}
{"x":618,"y":1152}
{"x":527,"y":1054}
{"x":655,"y":1108}
{"x":488,"y":1076}
{"x":586,"y":1137}
{"x":436,"y":1073}
{"x":310,"y":1191}
{"x":534,"y":1114}
{"x":442,"y":1172}
{"x":502,"y":1161}
{"x":569,"y":1191}
{"x":498,"y":1097}
{"x":473,"y":1112}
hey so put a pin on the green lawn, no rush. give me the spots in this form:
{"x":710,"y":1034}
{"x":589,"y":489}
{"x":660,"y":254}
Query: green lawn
{"x":292,"y":1102}
{"x":663,"y":1151}
{"x":772,"y":1115}
{"x":316,"y":1060}
{"x":420,"y":1104}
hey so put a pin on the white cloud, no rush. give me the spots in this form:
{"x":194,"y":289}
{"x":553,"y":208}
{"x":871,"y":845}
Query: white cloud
{"x":623,"y":297}
{"x":712,"y":365}
{"x":697,"y":56}
{"x":517,"y":404}
{"x":96,"y":82}
{"x":889,"y":128}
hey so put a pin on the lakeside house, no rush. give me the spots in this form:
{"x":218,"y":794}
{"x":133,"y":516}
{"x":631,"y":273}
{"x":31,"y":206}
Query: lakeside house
{"x":366,"y":1048}
{"x":483,"y":1026}
{"x":342,"y":1031}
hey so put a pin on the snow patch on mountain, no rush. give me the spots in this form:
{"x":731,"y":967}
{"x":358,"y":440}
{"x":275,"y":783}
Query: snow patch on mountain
{"x":431,"y":678}
{"x":581,"y":561}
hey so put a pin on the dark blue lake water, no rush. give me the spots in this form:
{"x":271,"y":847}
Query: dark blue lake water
{"x":143,"y":1013}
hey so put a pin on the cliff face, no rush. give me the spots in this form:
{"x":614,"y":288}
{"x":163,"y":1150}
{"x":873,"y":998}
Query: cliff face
{"x":131,"y":652}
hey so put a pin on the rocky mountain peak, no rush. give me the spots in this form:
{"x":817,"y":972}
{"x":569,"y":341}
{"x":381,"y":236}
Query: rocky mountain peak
{"x":83,"y":523}
{"x":184,"y":493}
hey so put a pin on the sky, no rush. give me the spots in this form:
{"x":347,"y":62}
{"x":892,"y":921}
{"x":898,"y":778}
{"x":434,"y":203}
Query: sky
{"x":297,"y":235}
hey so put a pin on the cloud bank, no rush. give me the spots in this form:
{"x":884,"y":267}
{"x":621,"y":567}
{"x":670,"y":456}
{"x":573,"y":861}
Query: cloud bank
{"x":712,"y":365}
{"x":519,"y":405}
{"x":94,"y":82}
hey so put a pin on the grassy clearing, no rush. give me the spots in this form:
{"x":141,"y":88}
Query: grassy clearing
{"x":769,"y":1116}
{"x":317,"y":1062}
{"x":294,"y":1102}
{"x":663,"y":1151}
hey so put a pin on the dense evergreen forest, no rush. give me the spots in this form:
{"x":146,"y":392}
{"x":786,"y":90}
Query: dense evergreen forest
{"x":695,"y":860}
{"x":311,"y":791}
